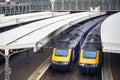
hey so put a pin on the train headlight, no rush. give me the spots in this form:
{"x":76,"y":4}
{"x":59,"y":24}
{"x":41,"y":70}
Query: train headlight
{"x":65,"y":62}
{"x":95,"y":65}
{"x":82,"y":64}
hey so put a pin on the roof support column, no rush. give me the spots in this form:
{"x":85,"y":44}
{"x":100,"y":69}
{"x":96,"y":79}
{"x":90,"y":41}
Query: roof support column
{"x":52,"y":5}
{"x":41,"y":50}
{"x":27,"y":57}
{"x":52,"y":41}
{"x":7,"y":68}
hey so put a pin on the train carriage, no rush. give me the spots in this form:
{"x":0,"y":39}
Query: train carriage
{"x":65,"y":52}
{"x":90,"y":53}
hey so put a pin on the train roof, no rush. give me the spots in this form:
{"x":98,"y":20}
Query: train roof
{"x":74,"y":37}
{"x":93,"y":39}
{"x":84,"y":28}
{"x":71,"y":40}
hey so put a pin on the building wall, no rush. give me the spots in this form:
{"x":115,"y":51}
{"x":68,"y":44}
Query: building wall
{"x":2,"y":0}
{"x":68,"y":5}
{"x":12,"y":8}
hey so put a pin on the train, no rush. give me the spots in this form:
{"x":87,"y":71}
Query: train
{"x":90,"y":58}
{"x":67,"y":49}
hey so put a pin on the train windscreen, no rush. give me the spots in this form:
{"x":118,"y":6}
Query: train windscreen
{"x":89,"y":54}
{"x":61,"y":52}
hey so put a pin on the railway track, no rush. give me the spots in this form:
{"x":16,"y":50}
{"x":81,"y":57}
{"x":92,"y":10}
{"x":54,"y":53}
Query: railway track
{"x":73,"y":74}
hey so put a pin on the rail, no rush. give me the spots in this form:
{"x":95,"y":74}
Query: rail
{"x":40,"y":70}
{"x":106,"y":69}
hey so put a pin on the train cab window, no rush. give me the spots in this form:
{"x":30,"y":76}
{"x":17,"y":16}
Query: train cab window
{"x":61,"y":53}
{"x":89,"y":54}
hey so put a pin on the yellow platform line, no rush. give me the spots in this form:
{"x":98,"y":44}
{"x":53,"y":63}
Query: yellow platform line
{"x":35,"y":72}
{"x":111,"y":75}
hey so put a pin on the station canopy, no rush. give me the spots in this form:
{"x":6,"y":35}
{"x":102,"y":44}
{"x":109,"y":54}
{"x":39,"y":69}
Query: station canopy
{"x":110,"y":31}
